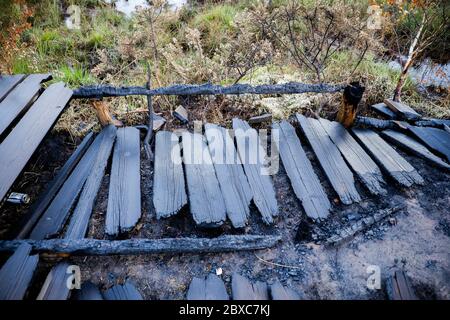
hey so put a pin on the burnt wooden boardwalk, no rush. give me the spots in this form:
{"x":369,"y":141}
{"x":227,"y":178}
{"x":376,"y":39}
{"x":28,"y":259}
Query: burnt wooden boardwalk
{"x":127,"y":291}
{"x":366,"y":169}
{"x":169,"y":190}
{"x":303,"y":179}
{"x":413,"y":146}
{"x":209,"y":288}
{"x":402,"y":110}
{"x":18,"y":147}
{"x":383,"y":109}
{"x":244,"y":289}
{"x":235,"y":189}
{"x":334,"y":166}
{"x":205,"y":197}
{"x":389,"y":159}
{"x":7,"y":83}
{"x":124,"y":200}
{"x":55,"y":285}
{"x":279,"y":292}
{"x":436,"y":139}
{"x":253,"y":156}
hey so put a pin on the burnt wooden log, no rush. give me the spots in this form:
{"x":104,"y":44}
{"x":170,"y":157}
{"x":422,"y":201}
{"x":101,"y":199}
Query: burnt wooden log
{"x":243,"y":289}
{"x":375,"y":123}
{"x":349,"y":232}
{"x":29,"y":132}
{"x":124,"y":200}
{"x":330,"y":159}
{"x":103,"y":115}
{"x":47,"y":196}
{"x":80,"y":218}
{"x":20,"y":98}
{"x":207,"y":288}
{"x":17,"y":272}
{"x":146,"y":246}
{"x":301,"y":173}
{"x":349,"y":104}
{"x":432,"y":123}
{"x":99,"y":91}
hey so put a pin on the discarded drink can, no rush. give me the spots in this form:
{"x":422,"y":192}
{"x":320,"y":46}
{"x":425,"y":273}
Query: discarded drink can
{"x":18,"y":198}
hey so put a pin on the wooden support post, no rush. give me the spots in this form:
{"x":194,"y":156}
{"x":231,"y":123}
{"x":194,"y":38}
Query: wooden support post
{"x":103,"y":114}
{"x":349,"y":104}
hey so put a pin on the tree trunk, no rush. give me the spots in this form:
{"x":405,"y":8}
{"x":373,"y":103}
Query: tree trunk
{"x":103,"y":114}
{"x":349,"y":104}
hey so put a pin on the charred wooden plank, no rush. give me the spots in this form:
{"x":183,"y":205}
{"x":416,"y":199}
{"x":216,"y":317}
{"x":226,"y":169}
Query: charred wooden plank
{"x":47,"y":196}
{"x":233,"y":183}
{"x":303,"y":179}
{"x":209,"y":288}
{"x":356,"y":157}
{"x":124,"y":200}
{"x":243,"y":289}
{"x":253,"y":157}
{"x":55,"y":286}
{"x":169,"y":190}
{"x":54,"y":218}
{"x":7,"y":83}
{"x":384,"y":110}
{"x":402,"y":110}
{"x":17,"y":272}
{"x":30,"y":131}
{"x":389,"y":159}
{"x":127,"y":291}
{"x":413,"y":146}
{"x":80,"y":218}
{"x":88,"y":291}
{"x":399,"y":287}
{"x":205,"y":197}
{"x":146,"y":246}
{"x":436,"y":139}
{"x":16,"y":102}
{"x":330,"y":159}
{"x":278,"y":292}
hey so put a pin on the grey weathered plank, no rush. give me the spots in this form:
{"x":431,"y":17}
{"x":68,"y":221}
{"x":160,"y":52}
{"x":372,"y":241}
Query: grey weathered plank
{"x":169,"y":190}
{"x":278,"y":292}
{"x":88,"y":291}
{"x":7,"y":83}
{"x":127,"y":291}
{"x":356,"y":157}
{"x":235,"y":189}
{"x":253,"y":157}
{"x":19,"y":99}
{"x":80,"y":218}
{"x":397,"y":167}
{"x":17,"y":272}
{"x":23,"y":140}
{"x":55,"y":285}
{"x":124,"y":199}
{"x":243,"y":289}
{"x":399,"y":287}
{"x":205,"y":197}
{"x":413,"y":146}
{"x":47,"y":196}
{"x":384,"y":110}
{"x":436,"y":139}
{"x":402,"y":110}
{"x":54,"y":218}
{"x":446,"y":128}
{"x":209,"y":288}
{"x":303,"y":179}
{"x":336,"y":170}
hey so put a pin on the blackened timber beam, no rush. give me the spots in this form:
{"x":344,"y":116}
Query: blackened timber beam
{"x":100,"y":91}
{"x":94,"y":247}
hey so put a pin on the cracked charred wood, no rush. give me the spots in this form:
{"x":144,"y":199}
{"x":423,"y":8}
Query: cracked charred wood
{"x":349,"y":104}
{"x":375,"y":123}
{"x":146,"y":246}
{"x":99,"y":91}
{"x":360,"y":225}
